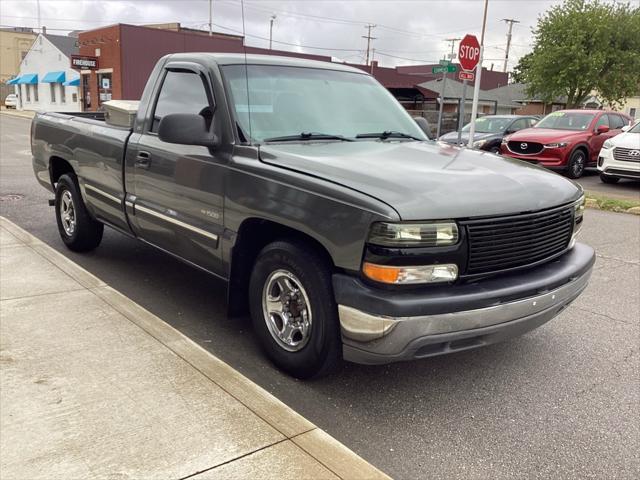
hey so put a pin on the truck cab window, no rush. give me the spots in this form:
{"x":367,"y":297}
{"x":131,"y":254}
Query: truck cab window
{"x":182,"y":92}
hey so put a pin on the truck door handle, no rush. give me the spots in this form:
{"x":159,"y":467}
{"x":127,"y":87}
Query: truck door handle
{"x":143,"y":160}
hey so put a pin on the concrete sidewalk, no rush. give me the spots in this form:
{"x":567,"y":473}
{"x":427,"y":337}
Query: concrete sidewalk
{"x":94,"y":386}
{"x":18,"y":113}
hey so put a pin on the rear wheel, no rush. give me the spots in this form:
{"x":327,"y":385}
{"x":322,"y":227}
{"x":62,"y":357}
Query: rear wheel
{"x":608,"y":178}
{"x":78,"y":230}
{"x":293,"y":309}
{"x":495,"y":150}
{"x":577,"y":164}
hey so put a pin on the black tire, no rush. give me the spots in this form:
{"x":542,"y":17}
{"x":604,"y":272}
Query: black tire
{"x":495,"y":150}
{"x":322,"y":352}
{"x":609,"y":178}
{"x":86,"y":232}
{"x":577,"y":164}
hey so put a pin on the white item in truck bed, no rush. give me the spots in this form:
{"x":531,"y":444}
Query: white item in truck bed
{"x":121,"y":113}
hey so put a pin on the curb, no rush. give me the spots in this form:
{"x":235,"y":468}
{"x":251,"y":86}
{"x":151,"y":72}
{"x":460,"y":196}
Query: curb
{"x":315,"y":442}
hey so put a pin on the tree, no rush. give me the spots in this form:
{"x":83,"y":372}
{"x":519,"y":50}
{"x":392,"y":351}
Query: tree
{"x":581,"y":46}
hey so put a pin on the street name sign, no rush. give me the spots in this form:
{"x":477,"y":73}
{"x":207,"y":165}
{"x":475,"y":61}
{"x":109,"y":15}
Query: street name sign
{"x":444,"y":69}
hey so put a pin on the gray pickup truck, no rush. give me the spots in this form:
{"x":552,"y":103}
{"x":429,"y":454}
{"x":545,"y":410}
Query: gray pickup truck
{"x":329,"y":214}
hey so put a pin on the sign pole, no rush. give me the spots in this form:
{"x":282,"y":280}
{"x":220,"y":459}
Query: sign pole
{"x":476,"y":89}
{"x":444,"y":84}
{"x":461,"y":119}
{"x":474,"y":105}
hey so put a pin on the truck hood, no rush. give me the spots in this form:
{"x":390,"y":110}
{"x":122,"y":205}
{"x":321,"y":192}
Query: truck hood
{"x":545,"y":135}
{"x":425,"y":180}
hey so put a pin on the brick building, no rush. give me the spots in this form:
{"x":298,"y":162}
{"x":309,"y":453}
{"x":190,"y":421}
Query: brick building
{"x":127,"y":54}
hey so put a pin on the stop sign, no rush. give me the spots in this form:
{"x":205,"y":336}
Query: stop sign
{"x":469,"y":52}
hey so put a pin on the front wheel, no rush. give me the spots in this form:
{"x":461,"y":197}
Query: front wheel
{"x":78,"y":230}
{"x":293,"y":309}
{"x":577,"y":164}
{"x":608,"y":178}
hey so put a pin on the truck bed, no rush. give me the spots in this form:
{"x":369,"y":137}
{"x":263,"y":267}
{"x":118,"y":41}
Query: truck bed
{"x":94,"y":149}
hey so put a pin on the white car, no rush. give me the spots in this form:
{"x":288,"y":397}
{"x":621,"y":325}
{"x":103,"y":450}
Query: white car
{"x":620,"y":156}
{"x":11,"y":101}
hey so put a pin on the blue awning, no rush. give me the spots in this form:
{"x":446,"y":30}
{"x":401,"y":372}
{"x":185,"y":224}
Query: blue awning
{"x":74,"y":82}
{"x":28,"y":78}
{"x":13,"y":81}
{"x":53,"y":77}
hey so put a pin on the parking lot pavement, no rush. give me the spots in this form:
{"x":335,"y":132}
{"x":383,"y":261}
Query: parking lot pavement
{"x":94,"y":386}
{"x":559,"y":402}
{"x":624,"y":189}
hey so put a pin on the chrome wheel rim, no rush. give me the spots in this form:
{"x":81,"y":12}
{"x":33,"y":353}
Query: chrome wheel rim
{"x":578,"y":165}
{"x":286,"y":310}
{"x":67,"y":213}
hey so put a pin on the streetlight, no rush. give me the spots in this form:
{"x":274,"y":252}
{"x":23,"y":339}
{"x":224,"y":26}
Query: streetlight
{"x":273,"y":17}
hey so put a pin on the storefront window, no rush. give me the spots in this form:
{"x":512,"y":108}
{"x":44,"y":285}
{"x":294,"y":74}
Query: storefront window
{"x":63,"y":94}
{"x":52,"y":90}
{"x":27,"y":92}
{"x":35,"y":92}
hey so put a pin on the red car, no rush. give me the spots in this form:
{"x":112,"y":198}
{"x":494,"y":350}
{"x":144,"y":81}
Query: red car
{"x":566,"y":140}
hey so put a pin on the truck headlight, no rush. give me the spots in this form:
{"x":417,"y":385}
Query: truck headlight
{"x":433,"y":234}
{"x":556,"y":145}
{"x":402,"y":275}
{"x":578,"y":216}
{"x":607,"y":144}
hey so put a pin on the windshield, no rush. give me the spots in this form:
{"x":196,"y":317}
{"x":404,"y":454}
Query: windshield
{"x":489,"y":125}
{"x":636,"y":128}
{"x":287,"y":101}
{"x":566,"y":121}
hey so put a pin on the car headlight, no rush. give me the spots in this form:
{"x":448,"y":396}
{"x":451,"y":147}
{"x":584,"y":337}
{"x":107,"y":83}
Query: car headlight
{"x":505,"y":140}
{"x":607,"y":144}
{"x":433,"y":234}
{"x":556,"y":145}
{"x":479,"y":143}
{"x":578,"y":216}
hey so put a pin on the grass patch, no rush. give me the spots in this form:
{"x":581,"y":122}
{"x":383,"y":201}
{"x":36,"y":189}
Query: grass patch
{"x":601,"y":202}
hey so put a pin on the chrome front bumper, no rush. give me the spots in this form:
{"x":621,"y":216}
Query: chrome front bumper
{"x":372,"y":339}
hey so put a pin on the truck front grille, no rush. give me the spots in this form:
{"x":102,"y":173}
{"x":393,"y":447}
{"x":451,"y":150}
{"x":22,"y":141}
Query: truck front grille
{"x":525,"y":148}
{"x":504,"y":243}
{"x":626,"y":154}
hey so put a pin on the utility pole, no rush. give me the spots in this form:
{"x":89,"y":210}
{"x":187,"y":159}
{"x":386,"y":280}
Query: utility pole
{"x":39,"y":24}
{"x":373,"y":54}
{"x":369,"y":38}
{"x":452,"y":41}
{"x":210,"y":17}
{"x":273,"y":17}
{"x":510,"y":21}
{"x":476,"y":86}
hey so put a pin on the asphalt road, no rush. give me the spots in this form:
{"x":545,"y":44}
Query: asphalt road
{"x":559,"y":402}
{"x":624,"y":189}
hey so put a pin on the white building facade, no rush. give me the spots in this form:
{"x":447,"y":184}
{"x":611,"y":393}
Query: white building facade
{"x":46,"y":82}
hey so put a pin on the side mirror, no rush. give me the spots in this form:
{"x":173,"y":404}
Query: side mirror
{"x":424,"y":126}
{"x":602,"y":129}
{"x":186,"y":129}
{"x":626,"y":128}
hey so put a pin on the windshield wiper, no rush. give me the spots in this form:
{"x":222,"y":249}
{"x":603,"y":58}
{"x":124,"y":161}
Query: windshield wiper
{"x":387,"y":134}
{"x":308,"y":136}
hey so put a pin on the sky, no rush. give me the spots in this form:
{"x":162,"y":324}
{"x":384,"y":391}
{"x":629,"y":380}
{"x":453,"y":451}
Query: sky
{"x":407,"y":31}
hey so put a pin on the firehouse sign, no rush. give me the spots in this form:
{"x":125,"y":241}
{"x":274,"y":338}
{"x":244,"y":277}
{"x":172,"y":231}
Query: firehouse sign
{"x":84,"y":62}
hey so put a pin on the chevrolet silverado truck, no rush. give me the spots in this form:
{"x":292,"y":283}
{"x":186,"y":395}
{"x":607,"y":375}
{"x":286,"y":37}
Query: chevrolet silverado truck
{"x":330,"y":216}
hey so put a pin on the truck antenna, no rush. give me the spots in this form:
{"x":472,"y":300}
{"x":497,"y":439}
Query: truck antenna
{"x":246,"y":71}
